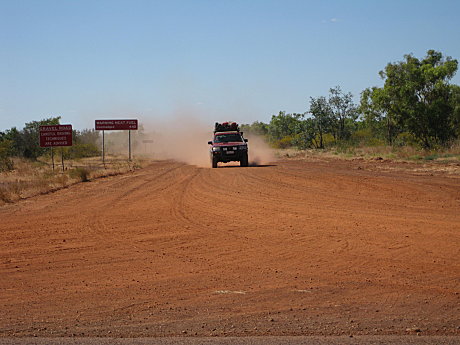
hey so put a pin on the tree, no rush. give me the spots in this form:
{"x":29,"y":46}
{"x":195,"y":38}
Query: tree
{"x":377,"y":113}
{"x":418,"y":96}
{"x":283,"y":125}
{"x":455,"y":103}
{"x":257,"y":128}
{"x":343,"y":108}
{"x":6,"y":149}
{"x":31,"y":135}
{"x":323,"y":119}
{"x":14,"y":136}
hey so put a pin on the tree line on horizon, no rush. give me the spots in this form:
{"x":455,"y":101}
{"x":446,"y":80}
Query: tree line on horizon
{"x":417,"y":105}
{"x":25,"y":143}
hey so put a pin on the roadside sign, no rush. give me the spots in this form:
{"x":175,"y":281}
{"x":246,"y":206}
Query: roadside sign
{"x":147,"y":141}
{"x":115,"y":125}
{"x":55,"y":135}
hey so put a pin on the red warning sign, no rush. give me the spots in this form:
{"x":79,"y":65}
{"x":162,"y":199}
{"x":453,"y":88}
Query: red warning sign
{"x":55,"y":135}
{"x":115,"y":125}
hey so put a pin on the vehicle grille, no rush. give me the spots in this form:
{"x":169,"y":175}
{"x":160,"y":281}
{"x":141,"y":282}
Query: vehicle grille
{"x":230,"y":148}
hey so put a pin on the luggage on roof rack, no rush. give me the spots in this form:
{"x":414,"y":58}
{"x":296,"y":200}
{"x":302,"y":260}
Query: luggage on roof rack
{"x":226,"y":126}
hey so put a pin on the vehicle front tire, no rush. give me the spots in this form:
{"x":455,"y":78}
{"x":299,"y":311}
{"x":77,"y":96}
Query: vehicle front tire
{"x":214,"y":162}
{"x":244,"y":162}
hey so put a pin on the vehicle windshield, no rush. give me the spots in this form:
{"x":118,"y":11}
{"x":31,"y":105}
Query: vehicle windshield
{"x":227,"y":138}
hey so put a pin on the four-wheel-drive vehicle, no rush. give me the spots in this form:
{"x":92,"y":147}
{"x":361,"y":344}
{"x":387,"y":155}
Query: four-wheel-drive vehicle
{"x":228,"y":145}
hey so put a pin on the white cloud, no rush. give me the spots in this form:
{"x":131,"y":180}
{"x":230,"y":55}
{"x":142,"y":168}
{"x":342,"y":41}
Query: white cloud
{"x":332,"y":20}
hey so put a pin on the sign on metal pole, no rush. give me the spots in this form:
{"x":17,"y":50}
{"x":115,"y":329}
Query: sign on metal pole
{"x":129,"y":144}
{"x":116,"y":125}
{"x":55,"y":136}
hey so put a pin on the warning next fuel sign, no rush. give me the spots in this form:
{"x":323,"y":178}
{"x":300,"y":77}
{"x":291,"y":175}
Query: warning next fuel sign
{"x":115,"y":125}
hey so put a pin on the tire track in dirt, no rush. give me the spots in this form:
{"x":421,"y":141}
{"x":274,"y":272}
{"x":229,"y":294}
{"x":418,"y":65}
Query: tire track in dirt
{"x":145,"y":183}
{"x":178,"y":208}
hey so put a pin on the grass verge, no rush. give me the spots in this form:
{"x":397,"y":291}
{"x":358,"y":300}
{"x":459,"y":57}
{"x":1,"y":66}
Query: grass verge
{"x":403,"y":153}
{"x":31,"y":178}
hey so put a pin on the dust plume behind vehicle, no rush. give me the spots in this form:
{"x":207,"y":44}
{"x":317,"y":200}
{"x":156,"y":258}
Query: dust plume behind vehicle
{"x":184,"y":138}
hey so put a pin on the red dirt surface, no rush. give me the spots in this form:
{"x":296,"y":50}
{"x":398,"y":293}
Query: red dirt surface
{"x":297,"y":248}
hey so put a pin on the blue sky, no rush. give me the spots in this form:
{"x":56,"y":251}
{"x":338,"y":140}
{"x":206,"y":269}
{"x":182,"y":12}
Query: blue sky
{"x":215,"y":60}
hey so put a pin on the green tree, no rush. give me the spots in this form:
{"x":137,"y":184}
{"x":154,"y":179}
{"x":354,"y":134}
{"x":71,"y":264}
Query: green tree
{"x":87,"y":136}
{"x":257,"y":128}
{"x":455,"y":103}
{"x":6,"y":150}
{"x":378,"y":115}
{"x":15,"y":137}
{"x":323,"y":119}
{"x":283,"y":125}
{"x":30,"y":146}
{"x":85,"y":144}
{"x":306,"y":136}
{"x":419,"y":97}
{"x":343,"y":108}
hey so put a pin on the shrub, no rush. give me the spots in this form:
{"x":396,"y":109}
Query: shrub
{"x":406,"y":139}
{"x":6,"y":163}
{"x":81,"y":173}
{"x":83,"y":151}
{"x":328,"y":139}
{"x":431,"y":157}
{"x":283,"y":143}
{"x":5,"y":196}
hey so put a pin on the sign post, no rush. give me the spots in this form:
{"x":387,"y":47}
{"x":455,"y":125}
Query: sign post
{"x":56,"y":135}
{"x":103,"y":150}
{"x":62,"y":159}
{"x":129,"y":143}
{"x":116,"y":125}
{"x":52,"y":157}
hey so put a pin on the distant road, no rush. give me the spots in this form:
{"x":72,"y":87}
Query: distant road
{"x":358,"y":340}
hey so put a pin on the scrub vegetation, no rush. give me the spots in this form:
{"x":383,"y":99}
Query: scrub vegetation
{"x":29,"y":178}
{"x":417,"y":110}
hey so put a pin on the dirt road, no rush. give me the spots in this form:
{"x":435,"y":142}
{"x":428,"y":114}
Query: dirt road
{"x":295,"y":248}
{"x":259,"y":340}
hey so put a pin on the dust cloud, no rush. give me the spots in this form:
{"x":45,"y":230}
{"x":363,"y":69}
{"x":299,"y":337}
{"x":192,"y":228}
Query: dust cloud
{"x":260,"y":153}
{"x":185,"y":139}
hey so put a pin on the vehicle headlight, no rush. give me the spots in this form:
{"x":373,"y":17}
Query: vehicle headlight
{"x":243,"y":147}
{"x":216,"y":148}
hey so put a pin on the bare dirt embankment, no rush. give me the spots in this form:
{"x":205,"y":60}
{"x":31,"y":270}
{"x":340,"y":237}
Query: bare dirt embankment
{"x":298,"y":247}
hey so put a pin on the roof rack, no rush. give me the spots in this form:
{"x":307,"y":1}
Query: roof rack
{"x":226,"y":126}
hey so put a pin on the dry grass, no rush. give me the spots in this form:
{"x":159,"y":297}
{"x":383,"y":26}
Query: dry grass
{"x":33,"y":178}
{"x":404,"y":153}
{"x":409,"y":153}
{"x":384,"y":158}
